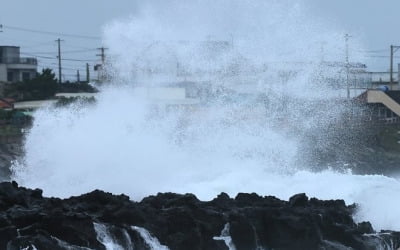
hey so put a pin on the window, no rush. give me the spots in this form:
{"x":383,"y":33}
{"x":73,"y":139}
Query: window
{"x":10,"y":76}
{"x":25,"y":76}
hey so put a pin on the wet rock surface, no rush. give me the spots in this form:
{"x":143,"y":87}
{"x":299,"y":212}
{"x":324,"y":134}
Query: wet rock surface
{"x":362,"y":149}
{"x":9,"y":151}
{"x":99,"y":219}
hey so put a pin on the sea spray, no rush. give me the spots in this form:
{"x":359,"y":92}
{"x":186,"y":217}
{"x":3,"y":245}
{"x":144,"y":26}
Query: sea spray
{"x":127,"y":144}
{"x":226,"y":237}
{"x":106,"y":238}
{"x":151,"y":241}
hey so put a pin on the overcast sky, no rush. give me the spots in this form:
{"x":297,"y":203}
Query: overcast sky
{"x":373,"y":22}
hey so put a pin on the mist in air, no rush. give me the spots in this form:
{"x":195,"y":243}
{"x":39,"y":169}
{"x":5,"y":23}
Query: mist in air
{"x":260,"y":67}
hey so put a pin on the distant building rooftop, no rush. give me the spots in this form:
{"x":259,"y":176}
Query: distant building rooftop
{"x":6,"y":103}
{"x":13,"y":67}
{"x":33,"y":104}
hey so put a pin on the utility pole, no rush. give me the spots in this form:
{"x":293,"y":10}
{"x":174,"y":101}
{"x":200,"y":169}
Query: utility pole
{"x":103,"y":60}
{"x":393,"y":49}
{"x":87,"y":73}
{"x":346,"y":37}
{"x":1,"y":27}
{"x":78,"y":77}
{"x":102,"y":54}
{"x":59,"y":59}
{"x":391,"y":66}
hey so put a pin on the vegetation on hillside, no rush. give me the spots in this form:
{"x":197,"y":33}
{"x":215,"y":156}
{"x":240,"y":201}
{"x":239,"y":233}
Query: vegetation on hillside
{"x":43,"y":86}
{"x":65,"y":101}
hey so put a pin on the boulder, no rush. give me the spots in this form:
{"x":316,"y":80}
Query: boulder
{"x":180,"y":221}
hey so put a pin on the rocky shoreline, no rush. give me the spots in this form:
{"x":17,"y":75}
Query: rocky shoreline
{"x":10,"y":150}
{"x":181,"y":221}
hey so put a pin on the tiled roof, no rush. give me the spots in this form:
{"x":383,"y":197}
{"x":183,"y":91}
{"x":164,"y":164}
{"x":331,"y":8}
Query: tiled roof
{"x":6,"y":103}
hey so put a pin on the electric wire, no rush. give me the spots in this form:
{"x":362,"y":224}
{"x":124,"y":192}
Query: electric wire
{"x":51,"y":33}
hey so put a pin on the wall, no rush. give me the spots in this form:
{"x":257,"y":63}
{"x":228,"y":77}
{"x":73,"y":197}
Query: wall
{"x":9,"y":53}
{"x":3,"y":73}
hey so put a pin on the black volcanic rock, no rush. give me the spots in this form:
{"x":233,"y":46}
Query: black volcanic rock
{"x":10,"y":150}
{"x":248,"y":221}
{"x":298,"y":200}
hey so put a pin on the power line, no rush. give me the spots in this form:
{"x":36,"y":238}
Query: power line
{"x":62,"y":59}
{"x":78,"y":60}
{"x":75,"y":46}
{"x":64,"y":68}
{"x":51,"y":33}
{"x":73,"y":65}
{"x":22,"y":44}
{"x":68,"y":67}
{"x":69,"y":75}
{"x":103,"y":60}
{"x":102,"y":54}
{"x":36,"y":44}
{"x":66,"y":52}
{"x":393,"y":49}
{"x":383,"y":56}
{"x":43,"y":57}
{"x":373,"y":51}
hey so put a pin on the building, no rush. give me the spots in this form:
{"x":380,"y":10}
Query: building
{"x":383,"y":104}
{"x":6,"y":103}
{"x":379,"y":79}
{"x":13,"y":67}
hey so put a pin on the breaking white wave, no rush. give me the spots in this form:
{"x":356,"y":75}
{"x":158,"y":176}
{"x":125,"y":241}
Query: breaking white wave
{"x":151,"y":241}
{"x":127,"y":144}
{"x":106,"y":238}
{"x":226,"y":237}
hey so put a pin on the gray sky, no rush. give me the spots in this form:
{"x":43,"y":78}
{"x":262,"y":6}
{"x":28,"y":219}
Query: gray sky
{"x":376,"y":22}
{"x":66,"y":17}
{"x":373,"y":22}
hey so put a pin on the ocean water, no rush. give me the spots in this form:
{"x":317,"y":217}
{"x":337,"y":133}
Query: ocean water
{"x":268,"y":51}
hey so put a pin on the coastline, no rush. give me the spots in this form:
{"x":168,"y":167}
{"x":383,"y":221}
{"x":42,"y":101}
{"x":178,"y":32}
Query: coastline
{"x":10,"y":150}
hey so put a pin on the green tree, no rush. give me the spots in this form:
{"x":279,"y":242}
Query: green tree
{"x":43,"y":86}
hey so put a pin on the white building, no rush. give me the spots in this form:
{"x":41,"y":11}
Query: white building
{"x":13,"y":67}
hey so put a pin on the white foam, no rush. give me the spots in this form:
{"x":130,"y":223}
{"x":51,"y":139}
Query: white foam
{"x":105,"y":237}
{"x":226,"y":237}
{"x":152,"y":242}
{"x":122,"y":145}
